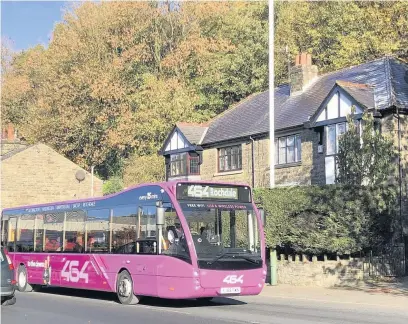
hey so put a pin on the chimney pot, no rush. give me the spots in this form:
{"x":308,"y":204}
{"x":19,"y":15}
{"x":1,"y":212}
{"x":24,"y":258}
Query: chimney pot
{"x":303,"y":59}
{"x":10,"y":132}
{"x":297,"y":59}
{"x":309,"y":59}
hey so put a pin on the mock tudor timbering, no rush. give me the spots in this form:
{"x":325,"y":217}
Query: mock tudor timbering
{"x":310,"y":115}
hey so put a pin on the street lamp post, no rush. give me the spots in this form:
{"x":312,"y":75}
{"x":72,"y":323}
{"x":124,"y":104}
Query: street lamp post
{"x":271,"y":95}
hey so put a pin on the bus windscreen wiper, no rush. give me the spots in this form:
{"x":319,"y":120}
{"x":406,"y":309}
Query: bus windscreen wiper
{"x":234,"y":256}
{"x":219,"y":257}
{"x":249,"y":259}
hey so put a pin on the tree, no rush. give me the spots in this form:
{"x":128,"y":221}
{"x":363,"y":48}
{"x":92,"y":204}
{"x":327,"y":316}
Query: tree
{"x":365,"y":157}
{"x":144,"y":169}
{"x":113,"y":185}
{"x":116,"y":76}
{"x":339,"y":33}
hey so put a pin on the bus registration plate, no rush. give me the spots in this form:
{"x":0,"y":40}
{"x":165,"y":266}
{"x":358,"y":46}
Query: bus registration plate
{"x":231,"y":290}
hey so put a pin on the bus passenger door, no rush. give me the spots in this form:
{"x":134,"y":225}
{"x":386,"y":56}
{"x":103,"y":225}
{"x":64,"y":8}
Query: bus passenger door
{"x":144,"y":275}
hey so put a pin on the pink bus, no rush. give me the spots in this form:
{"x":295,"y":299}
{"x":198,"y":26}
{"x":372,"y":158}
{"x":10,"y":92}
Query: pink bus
{"x":177,"y":240}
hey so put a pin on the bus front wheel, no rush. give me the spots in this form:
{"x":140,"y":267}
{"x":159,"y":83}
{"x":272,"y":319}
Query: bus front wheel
{"x":124,"y":289}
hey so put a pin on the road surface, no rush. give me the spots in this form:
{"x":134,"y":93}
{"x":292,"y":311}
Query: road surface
{"x":65,"y":306}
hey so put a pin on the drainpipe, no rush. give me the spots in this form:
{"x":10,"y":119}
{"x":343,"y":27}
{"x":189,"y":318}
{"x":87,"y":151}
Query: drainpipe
{"x":253,"y":161}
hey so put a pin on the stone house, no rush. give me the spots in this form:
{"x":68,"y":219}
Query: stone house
{"x":34,"y":174}
{"x":310,"y":115}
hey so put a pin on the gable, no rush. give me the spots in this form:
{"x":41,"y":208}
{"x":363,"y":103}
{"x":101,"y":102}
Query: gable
{"x":337,"y":104}
{"x":176,"y":142}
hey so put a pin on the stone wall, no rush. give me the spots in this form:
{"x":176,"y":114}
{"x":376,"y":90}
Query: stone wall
{"x":321,"y":273}
{"x":209,"y":168}
{"x":39,"y":174}
{"x":309,"y":171}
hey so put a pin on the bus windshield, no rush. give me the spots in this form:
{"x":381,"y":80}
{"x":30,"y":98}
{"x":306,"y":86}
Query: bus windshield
{"x":225,"y":236}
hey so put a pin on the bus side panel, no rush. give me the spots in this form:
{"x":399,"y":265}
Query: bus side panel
{"x":37,"y":265}
{"x":153,"y":275}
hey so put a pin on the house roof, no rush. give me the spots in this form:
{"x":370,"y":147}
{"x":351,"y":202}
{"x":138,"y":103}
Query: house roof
{"x":362,"y":93}
{"x":380,"y":84}
{"x":193,"y":131}
{"x":386,"y":76}
{"x":249,"y":117}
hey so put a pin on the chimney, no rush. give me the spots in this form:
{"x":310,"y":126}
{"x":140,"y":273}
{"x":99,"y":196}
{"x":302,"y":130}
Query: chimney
{"x":10,"y":132}
{"x":302,"y":73}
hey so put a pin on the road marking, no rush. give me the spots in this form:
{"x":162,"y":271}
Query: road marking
{"x":335,"y":302}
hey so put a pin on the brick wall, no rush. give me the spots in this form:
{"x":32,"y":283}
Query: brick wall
{"x":40,"y":175}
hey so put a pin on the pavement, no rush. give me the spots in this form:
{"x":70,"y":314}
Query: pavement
{"x":277,"y":304}
{"x":368,"y":293}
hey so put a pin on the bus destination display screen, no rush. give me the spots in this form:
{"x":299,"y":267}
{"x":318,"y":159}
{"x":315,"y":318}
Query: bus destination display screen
{"x":213,"y":192}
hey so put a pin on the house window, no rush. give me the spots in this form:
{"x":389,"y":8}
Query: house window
{"x":184,"y":164}
{"x":194,"y":165}
{"x":230,"y":158}
{"x":333,"y":135}
{"x":288,"y":149}
{"x":178,"y":164}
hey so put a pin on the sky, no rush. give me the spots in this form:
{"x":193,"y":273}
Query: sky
{"x":28,"y":23}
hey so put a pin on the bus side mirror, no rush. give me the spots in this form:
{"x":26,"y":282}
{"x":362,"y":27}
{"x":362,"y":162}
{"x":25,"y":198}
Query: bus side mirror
{"x":160,"y":215}
{"x":262,"y":213}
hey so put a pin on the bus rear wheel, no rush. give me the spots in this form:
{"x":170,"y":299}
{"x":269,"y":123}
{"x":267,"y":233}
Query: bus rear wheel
{"x":22,"y":279}
{"x":124,"y":289}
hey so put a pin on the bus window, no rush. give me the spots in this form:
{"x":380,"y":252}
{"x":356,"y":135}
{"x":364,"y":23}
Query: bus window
{"x":124,"y":229}
{"x":11,"y":234}
{"x":25,"y":233}
{"x":39,"y":233}
{"x":74,"y":235}
{"x":146,"y":220}
{"x":53,"y":232}
{"x":97,"y":230}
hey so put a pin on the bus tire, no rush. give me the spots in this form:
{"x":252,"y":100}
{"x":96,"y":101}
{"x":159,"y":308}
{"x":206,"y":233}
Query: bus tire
{"x":124,"y":289}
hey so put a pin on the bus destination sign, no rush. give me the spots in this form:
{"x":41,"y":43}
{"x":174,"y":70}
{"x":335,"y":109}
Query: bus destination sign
{"x":212,"y":192}
{"x":197,"y":191}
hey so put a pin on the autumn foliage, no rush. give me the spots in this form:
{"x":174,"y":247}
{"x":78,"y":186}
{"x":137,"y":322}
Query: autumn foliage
{"x":116,"y":76}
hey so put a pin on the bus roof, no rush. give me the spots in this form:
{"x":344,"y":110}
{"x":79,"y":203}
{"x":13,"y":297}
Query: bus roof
{"x":167,"y":185}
